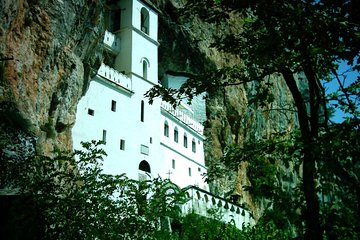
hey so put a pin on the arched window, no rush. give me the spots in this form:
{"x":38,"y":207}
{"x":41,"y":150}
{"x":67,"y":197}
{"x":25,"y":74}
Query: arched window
{"x":193,"y":145}
{"x":142,"y":111}
{"x":198,"y":195}
{"x":145,"y":20}
{"x":176,"y":135}
{"x":185,"y":141}
{"x":144,"y":166}
{"x":166,"y":129}
{"x":145,"y":66}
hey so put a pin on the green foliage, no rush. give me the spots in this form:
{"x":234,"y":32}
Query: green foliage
{"x":78,"y":201}
{"x":194,"y":226}
{"x":338,"y":175}
{"x":287,"y":37}
{"x":73,"y":199}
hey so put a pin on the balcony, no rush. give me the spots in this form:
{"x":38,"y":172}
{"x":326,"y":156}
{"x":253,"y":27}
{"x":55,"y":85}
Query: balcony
{"x":111,"y":42}
{"x":114,"y":76}
{"x":190,"y":122}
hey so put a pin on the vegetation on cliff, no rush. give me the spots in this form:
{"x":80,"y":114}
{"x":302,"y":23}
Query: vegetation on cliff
{"x":303,"y":42}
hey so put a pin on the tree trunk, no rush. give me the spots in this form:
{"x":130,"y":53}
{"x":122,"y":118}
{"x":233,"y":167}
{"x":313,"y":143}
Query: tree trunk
{"x":312,"y":210}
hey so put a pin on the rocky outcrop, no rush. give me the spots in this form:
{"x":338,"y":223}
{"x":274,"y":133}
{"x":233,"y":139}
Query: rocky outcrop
{"x":48,"y":52}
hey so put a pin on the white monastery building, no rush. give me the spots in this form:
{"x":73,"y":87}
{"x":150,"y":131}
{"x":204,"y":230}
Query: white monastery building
{"x":143,"y":140}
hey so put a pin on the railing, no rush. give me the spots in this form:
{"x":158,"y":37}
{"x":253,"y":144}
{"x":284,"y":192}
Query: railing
{"x":208,"y":205}
{"x":198,"y":127}
{"x":115,"y":76}
{"x":112,"y":42}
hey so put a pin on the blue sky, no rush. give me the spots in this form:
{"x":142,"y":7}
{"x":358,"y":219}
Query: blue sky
{"x":350,"y":77}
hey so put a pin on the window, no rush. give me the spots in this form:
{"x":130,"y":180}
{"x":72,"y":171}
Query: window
{"x":198,"y":195}
{"x":113,"y":105}
{"x":144,"y":166}
{"x":145,"y":20}
{"x":104,"y":136}
{"x":173,"y":164}
{"x":142,"y":111}
{"x":193,"y":145}
{"x":145,"y":67}
{"x":185,"y":141}
{"x":122,"y":144}
{"x":199,"y":169}
{"x":91,"y":112}
{"x":150,"y":140}
{"x":176,"y":135}
{"x":114,"y":21}
{"x":166,"y":129}
{"x":144,"y":149}
{"x":189,"y":172}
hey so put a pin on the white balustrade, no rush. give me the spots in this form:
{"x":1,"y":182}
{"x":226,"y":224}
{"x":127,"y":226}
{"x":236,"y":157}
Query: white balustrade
{"x":112,"y":41}
{"x":115,"y":76}
{"x":183,"y":117}
{"x":201,"y":201}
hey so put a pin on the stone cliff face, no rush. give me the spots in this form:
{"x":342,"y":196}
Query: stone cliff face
{"x":185,"y":47}
{"x":48,"y":51}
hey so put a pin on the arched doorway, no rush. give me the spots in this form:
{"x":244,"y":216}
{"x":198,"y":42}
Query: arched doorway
{"x":144,"y":171}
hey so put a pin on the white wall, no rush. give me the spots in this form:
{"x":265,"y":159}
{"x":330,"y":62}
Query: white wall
{"x":184,"y":157}
{"x":141,"y":48}
{"x":123,"y":124}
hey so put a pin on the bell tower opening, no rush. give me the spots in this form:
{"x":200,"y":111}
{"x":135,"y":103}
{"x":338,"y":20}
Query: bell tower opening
{"x":145,"y":20}
{"x":114,"y":19}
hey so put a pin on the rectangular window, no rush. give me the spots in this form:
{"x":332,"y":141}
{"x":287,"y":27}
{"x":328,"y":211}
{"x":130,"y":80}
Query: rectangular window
{"x":199,"y":169}
{"x":122,"y":144}
{"x":185,"y":141}
{"x":144,"y":149}
{"x":91,"y":112}
{"x":150,"y":140}
{"x":142,"y":111}
{"x":193,"y":146}
{"x":104,"y":136}
{"x":173,"y":164}
{"x":113,"y":106}
{"x":189,"y":172}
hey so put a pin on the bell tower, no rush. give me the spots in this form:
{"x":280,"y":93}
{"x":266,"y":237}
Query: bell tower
{"x":135,"y":23}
